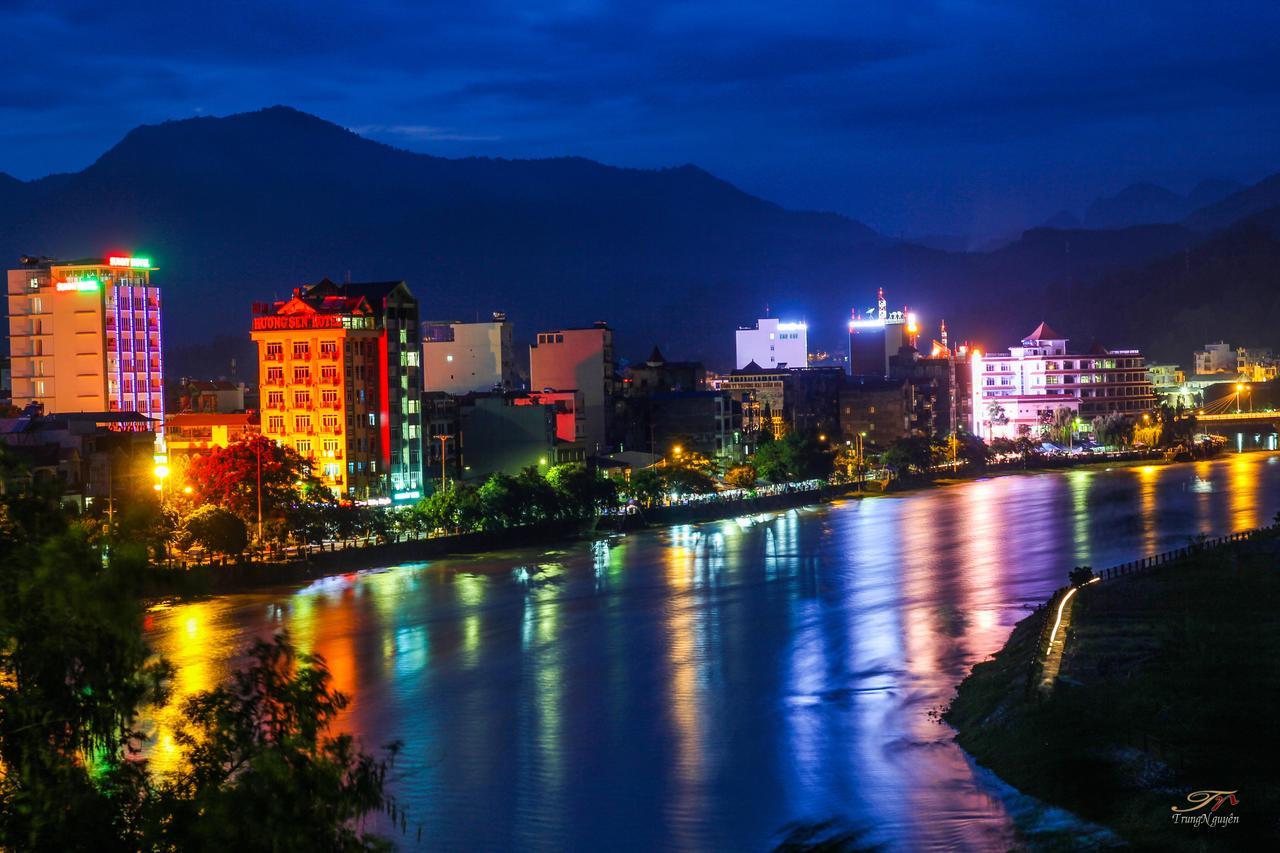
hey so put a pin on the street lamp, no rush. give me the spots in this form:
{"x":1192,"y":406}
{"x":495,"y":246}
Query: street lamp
{"x":1239,"y":388}
{"x":161,"y":471}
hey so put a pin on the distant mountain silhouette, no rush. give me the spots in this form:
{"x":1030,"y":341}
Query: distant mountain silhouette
{"x":1226,"y":287}
{"x":1240,"y":205}
{"x":1063,"y":219}
{"x":243,"y":208}
{"x":1147,"y":204}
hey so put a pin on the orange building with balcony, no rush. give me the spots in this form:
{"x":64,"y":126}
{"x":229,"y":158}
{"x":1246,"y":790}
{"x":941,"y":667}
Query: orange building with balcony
{"x":85,"y":336}
{"x":318,"y":368}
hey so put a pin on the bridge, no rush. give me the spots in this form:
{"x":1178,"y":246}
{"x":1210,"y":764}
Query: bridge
{"x":1272,"y":418}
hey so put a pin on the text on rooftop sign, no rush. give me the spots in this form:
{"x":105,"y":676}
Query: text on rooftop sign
{"x":136,"y":263}
{"x":297,"y":321}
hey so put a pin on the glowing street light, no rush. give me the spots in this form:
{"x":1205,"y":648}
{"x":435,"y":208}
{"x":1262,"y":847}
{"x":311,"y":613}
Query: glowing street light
{"x":161,"y":472}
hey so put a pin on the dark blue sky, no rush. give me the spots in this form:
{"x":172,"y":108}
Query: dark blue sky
{"x":963,"y":117}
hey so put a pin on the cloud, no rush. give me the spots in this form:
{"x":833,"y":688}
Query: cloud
{"x":422,"y":132}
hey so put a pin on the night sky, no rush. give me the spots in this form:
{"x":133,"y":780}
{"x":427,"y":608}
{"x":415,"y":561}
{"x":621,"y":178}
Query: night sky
{"x":955,"y":117}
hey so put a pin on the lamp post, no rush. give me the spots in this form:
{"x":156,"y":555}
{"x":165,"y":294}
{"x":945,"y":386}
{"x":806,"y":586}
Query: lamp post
{"x":1239,"y":389}
{"x":444,"y":439}
{"x":258,"y":448}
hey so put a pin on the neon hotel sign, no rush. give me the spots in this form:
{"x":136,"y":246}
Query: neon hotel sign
{"x":297,"y":321}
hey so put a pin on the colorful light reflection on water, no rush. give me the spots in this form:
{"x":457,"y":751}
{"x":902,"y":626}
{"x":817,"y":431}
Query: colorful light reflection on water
{"x":700,"y":687}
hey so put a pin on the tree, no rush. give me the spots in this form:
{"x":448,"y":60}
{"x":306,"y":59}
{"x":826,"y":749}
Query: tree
{"x":261,"y":761}
{"x":909,"y":453}
{"x":689,"y":481}
{"x":972,"y":449}
{"x":995,"y":415}
{"x":647,"y":486}
{"x":262,"y":771}
{"x":1114,"y":429}
{"x":218,"y":530}
{"x":293,"y":498}
{"x":792,"y":458}
{"x":1061,"y":426}
{"x":454,"y":509}
{"x":582,"y":491}
{"x":741,"y":476}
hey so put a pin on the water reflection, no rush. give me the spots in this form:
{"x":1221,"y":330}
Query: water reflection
{"x":699,"y":687}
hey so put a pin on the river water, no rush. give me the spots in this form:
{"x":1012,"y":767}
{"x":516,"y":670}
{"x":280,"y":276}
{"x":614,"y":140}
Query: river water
{"x":699,"y":687}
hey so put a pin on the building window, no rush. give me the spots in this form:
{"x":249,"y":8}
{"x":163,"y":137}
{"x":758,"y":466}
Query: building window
{"x":304,"y":447}
{"x":330,"y":422}
{"x":275,"y":423}
{"x":302,"y":423}
{"x":275,"y":349}
{"x":330,"y":448}
{"x":275,"y":399}
{"x":329,"y":397}
{"x":275,"y":374}
{"x":329,"y":373}
{"x":373,"y":419}
{"x":329,"y":348}
{"x":301,"y":375}
{"x":302,"y":350}
{"x":302,"y":398}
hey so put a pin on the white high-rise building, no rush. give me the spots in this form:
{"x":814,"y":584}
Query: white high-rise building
{"x":773,"y":343}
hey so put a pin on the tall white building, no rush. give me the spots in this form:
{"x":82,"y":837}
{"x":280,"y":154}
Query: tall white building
{"x":460,"y":357}
{"x":773,"y":343}
{"x":84,"y":336}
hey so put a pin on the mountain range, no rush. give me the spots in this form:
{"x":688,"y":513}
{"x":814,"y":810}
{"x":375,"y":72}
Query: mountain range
{"x":243,"y":208}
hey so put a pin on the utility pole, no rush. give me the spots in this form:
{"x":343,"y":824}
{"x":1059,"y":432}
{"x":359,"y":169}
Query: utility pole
{"x":443,"y":457}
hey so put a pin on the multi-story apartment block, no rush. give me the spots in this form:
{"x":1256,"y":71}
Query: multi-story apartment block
{"x":85,"y":336}
{"x":772,"y":344}
{"x":458,"y":357}
{"x":1216,"y":358}
{"x":1026,"y":384}
{"x":580,"y":360}
{"x":338,"y":368}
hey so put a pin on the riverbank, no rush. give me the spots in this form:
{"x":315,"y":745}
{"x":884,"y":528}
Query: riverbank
{"x":242,"y":576}
{"x":1166,"y":687}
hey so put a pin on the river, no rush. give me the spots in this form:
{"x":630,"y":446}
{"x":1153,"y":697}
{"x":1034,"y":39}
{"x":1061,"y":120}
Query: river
{"x":699,"y":687}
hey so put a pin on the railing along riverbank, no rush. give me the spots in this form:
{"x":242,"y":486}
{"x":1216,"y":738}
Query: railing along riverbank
{"x":1055,"y":614}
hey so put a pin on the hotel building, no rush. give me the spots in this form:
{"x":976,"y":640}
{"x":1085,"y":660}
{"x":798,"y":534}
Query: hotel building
{"x":1028,"y":383}
{"x":339,"y":371}
{"x":85,"y":336}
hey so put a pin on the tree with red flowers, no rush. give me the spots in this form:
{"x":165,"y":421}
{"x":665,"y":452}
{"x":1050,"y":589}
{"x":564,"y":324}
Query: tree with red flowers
{"x":228,"y":477}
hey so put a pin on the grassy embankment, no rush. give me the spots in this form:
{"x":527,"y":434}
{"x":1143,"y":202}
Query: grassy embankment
{"x":1169,"y":684}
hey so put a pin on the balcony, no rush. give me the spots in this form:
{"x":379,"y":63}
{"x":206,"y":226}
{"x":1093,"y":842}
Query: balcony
{"x":330,"y":380}
{"x":302,"y":356}
{"x":329,"y":355}
{"x":273,"y":356}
